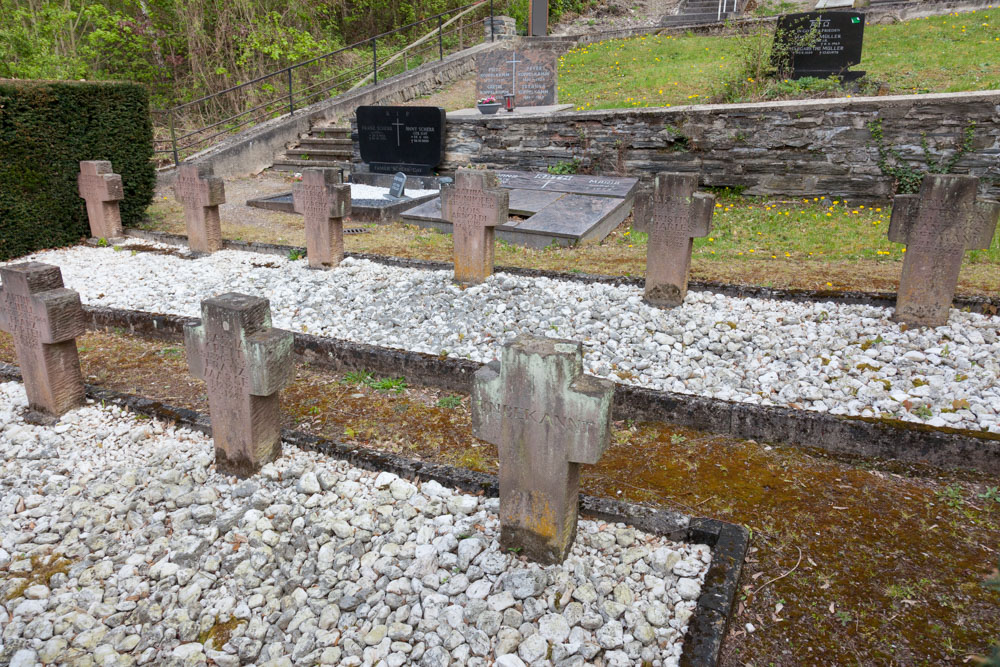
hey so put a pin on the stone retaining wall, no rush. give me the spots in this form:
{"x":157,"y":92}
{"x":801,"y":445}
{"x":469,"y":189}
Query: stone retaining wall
{"x":798,"y":148}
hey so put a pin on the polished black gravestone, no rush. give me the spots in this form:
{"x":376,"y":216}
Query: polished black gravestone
{"x":548,"y":208}
{"x":837,"y":45}
{"x":406,"y":139}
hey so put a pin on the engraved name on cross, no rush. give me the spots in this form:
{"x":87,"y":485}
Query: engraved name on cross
{"x":201,"y":193}
{"x":474,"y":204}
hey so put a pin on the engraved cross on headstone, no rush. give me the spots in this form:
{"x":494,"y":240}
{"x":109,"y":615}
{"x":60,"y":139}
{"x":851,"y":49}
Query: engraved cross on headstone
{"x":677,"y":214}
{"x":44,"y":318}
{"x":102,"y":190}
{"x":513,"y":71}
{"x":546,"y":417}
{"x":201,"y":193}
{"x":474,"y":204}
{"x":245,"y":363}
{"x":937,"y":226}
{"x":324,"y":202}
{"x":398,"y":124}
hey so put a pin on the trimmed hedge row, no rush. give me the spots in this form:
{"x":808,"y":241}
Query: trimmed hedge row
{"x":46,"y":129}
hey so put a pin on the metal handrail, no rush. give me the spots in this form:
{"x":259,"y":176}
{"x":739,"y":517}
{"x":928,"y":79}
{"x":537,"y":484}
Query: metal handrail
{"x":290,"y":96}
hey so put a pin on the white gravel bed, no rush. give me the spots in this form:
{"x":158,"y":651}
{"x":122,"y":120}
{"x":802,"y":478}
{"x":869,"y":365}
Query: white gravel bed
{"x":361,"y":191}
{"x":827,"y":357}
{"x":309,"y":562}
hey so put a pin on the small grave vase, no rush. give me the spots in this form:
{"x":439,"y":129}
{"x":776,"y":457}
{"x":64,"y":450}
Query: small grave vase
{"x":490,"y":108}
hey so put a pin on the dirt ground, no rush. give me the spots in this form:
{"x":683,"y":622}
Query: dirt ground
{"x":852,"y":561}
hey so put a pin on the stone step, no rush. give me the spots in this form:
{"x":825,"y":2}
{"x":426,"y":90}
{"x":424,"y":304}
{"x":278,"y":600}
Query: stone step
{"x":330,"y":132}
{"x":319,"y":153}
{"x":285,"y":163}
{"x":323,"y":142}
{"x":693,"y":19}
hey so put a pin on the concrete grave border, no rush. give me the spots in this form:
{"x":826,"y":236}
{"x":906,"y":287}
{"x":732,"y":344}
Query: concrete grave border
{"x":839,"y":435}
{"x":729,"y":542}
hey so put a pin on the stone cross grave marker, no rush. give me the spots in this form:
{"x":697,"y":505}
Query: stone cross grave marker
{"x":546,"y":417}
{"x":201,"y":193}
{"x":474,"y":204}
{"x":245,"y":363}
{"x":44,"y":318}
{"x":324,"y":202}
{"x":676,"y":214}
{"x":937,"y":226}
{"x":102,"y":190}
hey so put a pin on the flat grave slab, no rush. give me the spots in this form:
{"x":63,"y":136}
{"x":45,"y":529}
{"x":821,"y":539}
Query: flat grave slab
{"x":381,"y":210}
{"x":542,"y":110}
{"x":548,"y":208}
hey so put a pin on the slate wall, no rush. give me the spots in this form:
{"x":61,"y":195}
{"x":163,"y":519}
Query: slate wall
{"x":799,"y":148}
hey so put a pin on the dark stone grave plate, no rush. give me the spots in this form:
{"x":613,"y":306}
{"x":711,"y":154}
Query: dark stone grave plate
{"x":406,"y":139}
{"x":381,"y":211}
{"x":563,"y":209}
{"x":837,"y":46}
{"x":529,"y":202}
{"x":606,"y":186}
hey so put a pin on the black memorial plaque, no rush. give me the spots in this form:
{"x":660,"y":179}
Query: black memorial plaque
{"x":406,"y":139}
{"x":398,"y":187}
{"x":836,"y":46}
{"x":531,"y":75}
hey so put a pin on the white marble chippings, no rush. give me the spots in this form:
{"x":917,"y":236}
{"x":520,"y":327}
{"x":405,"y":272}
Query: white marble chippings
{"x":311,"y":561}
{"x":840,"y":359}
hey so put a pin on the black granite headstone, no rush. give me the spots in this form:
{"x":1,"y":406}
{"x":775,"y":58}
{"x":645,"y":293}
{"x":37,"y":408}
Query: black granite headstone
{"x":398,"y":187}
{"x":836,"y":46}
{"x":406,"y":139}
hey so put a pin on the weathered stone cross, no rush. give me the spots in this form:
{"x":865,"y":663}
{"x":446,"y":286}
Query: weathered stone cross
{"x":474,"y":204}
{"x":937,"y":226}
{"x":546,"y":417}
{"x":245,"y":363}
{"x":201,"y":193}
{"x":102,"y":190}
{"x":324,"y":202}
{"x":44,"y":318}
{"x":677,"y":215}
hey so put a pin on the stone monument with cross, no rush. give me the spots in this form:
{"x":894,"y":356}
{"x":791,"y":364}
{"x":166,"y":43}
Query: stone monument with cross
{"x":474,"y":204}
{"x":676,"y":215}
{"x":546,"y":417}
{"x":102,"y":190}
{"x":244,"y":363}
{"x":201,"y":193}
{"x":324,"y":202}
{"x":44,"y":318}
{"x":938,"y":226}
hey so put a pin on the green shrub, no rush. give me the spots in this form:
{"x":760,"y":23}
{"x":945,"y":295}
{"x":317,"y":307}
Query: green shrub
{"x":46,"y":129}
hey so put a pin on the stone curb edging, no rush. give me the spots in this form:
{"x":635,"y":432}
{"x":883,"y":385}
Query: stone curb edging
{"x":976,"y":304}
{"x":729,"y":542}
{"x":840,"y":435}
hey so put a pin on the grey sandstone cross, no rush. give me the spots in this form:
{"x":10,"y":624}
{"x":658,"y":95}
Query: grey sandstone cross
{"x":44,"y":318}
{"x":474,"y":204}
{"x":201,"y":193}
{"x":546,"y":417}
{"x":102,"y":190}
{"x":245,"y":363}
{"x":677,"y":214}
{"x":324,"y":202}
{"x":937,"y":226}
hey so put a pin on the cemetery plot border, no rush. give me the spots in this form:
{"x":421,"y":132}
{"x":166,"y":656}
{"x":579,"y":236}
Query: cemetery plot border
{"x":842,"y":435}
{"x":975,"y":304}
{"x":729,"y":542}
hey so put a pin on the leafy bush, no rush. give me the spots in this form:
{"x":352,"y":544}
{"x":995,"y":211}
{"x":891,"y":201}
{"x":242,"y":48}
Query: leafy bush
{"x":46,"y":129}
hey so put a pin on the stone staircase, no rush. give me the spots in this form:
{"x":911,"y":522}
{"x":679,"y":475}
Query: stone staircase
{"x":697,"y":12}
{"x":322,"y":146}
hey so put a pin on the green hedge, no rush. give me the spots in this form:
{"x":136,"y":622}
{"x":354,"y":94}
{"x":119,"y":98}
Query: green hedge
{"x":46,"y":129}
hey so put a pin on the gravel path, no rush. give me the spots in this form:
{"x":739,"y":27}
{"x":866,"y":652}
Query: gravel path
{"x":842,"y":359}
{"x":154,"y":557}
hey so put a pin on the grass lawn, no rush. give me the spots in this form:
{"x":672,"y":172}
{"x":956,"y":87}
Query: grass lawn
{"x":957,"y":52}
{"x":822,"y":244}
